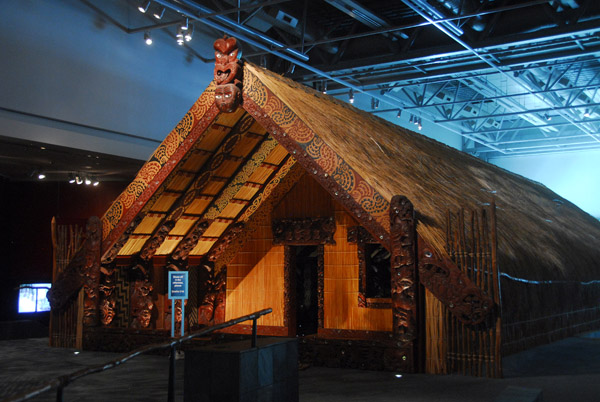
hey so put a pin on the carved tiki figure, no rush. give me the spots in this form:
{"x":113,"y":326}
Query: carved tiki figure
{"x":228,"y":74}
{"x":141,"y":304}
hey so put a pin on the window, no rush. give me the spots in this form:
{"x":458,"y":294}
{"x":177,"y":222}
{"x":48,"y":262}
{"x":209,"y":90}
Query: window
{"x":377,"y":266}
{"x":32,"y":297}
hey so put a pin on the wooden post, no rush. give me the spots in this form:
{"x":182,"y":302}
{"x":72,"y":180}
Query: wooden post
{"x":404,"y":279}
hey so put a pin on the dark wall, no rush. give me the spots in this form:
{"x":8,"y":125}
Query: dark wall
{"x":26,"y":211}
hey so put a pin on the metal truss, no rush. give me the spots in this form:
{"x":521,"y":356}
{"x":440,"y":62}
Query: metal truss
{"x":511,"y":77}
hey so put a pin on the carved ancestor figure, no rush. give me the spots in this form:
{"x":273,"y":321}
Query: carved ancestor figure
{"x":178,"y":259}
{"x":107,"y":297}
{"x":213,"y":295}
{"x":141,"y":303}
{"x":228,"y":74}
{"x":403,"y":264}
{"x":178,"y":316}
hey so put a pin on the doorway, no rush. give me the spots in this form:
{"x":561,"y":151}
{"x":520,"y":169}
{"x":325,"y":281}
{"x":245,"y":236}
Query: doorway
{"x":305,"y":263}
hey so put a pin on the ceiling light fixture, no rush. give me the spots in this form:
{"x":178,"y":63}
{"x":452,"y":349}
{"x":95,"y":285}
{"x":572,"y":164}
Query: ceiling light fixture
{"x":41,"y":176}
{"x":78,"y":180}
{"x":412,"y":118}
{"x":188,"y":34}
{"x":158,"y":14}
{"x":95,"y":182}
{"x":420,"y":124}
{"x":87,"y":181}
{"x":325,"y":87}
{"x":71,"y":178}
{"x":351,"y":95}
{"x":399,"y":113}
{"x":143,"y":7}
{"x":185,"y":25}
{"x":548,"y":117}
{"x":586,"y":113}
{"x":147,"y":38}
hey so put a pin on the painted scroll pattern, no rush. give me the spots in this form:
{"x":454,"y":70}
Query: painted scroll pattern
{"x":152,"y":173}
{"x":333,"y":166}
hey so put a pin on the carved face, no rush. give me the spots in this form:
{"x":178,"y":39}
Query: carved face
{"x":107,"y":312}
{"x":227,"y":97}
{"x":144,"y":318}
{"x":226,"y":60}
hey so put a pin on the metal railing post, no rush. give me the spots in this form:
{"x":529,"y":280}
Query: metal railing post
{"x":171,"y":395}
{"x":254,"y":332}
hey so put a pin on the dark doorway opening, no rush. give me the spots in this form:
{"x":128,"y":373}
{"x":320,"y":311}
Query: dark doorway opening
{"x":306,"y":265}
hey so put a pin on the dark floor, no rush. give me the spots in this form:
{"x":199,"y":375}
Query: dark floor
{"x":568,"y":370}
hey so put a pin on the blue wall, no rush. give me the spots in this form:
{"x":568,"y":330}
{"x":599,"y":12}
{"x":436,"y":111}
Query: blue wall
{"x":574,"y":176}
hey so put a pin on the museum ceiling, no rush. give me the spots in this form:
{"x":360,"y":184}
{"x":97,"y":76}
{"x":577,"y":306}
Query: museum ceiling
{"x":511,"y":77}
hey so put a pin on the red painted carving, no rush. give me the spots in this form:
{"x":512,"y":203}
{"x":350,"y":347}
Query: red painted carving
{"x":111,"y":254}
{"x":403,"y":268}
{"x":107,"y":296}
{"x":224,"y":241}
{"x":178,"y":258}
{"x":228,"y":74}
{"x":156,"y":240}
{"x":141,"y":303}
{"x":83,"y":270}
{"x":466,"y":301}
{"x":304,"y":231}
{"x":213,"y":287}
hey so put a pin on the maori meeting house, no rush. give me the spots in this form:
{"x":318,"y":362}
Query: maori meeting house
{"x":376,"y":246}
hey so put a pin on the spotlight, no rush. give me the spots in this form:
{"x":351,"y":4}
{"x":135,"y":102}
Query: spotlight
{"x":71,"y":178}
{"x":87,"y":181}
{"x":158,"y":14}
{"x":586,"y":113}
{"x":412,"y":118}
{"x":188,"y":34}
{"x":41,"y":176}
{"x":78,"y":180}
{"x":548,"y":117}
{"x":185,"y":25}
{"x":351,"y":95}
{"x":325,"y":87}
{"x":95,"y":182}
{"x":374,"y":103}
{"x":147,"y":38}
{"x":399,"y":113}
{"x":143,"y":7}
{"x":420,"y":125}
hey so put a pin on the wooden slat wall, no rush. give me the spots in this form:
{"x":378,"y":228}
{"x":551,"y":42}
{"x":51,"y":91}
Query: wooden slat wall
{"x":340,"y":310}
{"x":453,"y":347}
{"x":255,"y":279}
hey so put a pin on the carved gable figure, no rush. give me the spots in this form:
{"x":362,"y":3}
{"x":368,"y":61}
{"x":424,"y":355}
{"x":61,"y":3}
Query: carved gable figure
{"x":228,"y":74}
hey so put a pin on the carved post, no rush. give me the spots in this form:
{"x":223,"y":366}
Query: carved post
{"x":91,"y":271}
{"x":404,"y":277}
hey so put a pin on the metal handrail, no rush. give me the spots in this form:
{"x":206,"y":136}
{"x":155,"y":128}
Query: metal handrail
{"x":59,"y":383}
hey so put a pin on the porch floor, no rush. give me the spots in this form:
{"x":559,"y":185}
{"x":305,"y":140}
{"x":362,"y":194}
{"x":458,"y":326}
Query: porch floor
{"x":568,"y":370}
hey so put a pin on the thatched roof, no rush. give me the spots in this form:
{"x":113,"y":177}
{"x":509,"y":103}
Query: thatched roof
{"x":541,"y":235}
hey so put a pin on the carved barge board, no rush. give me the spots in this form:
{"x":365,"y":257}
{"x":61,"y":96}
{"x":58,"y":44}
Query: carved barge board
{"x":83,"y":270}
{"x":466,"y":301}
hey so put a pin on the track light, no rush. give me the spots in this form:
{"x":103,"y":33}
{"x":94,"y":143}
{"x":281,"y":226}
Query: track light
{"x":420,"y":124}
{"x":411,"y":118}
{"x":399,"y":113}
{"x":87,"y":181}
{"x":143,"y":7}
{"x":325,"y":87}
{"x":95,"y":182}
{"x":41,"y":176}
{"x":78,"y":180}
{"x":158,"y":14}
{"x":147,"y":38}
{"x":586,"y":113}
{"x":374,"y":103}
{"x":188,"y":34}
{"x":351,"y":96}
{"x":185,"y":25}
{"x":71,"y":178}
